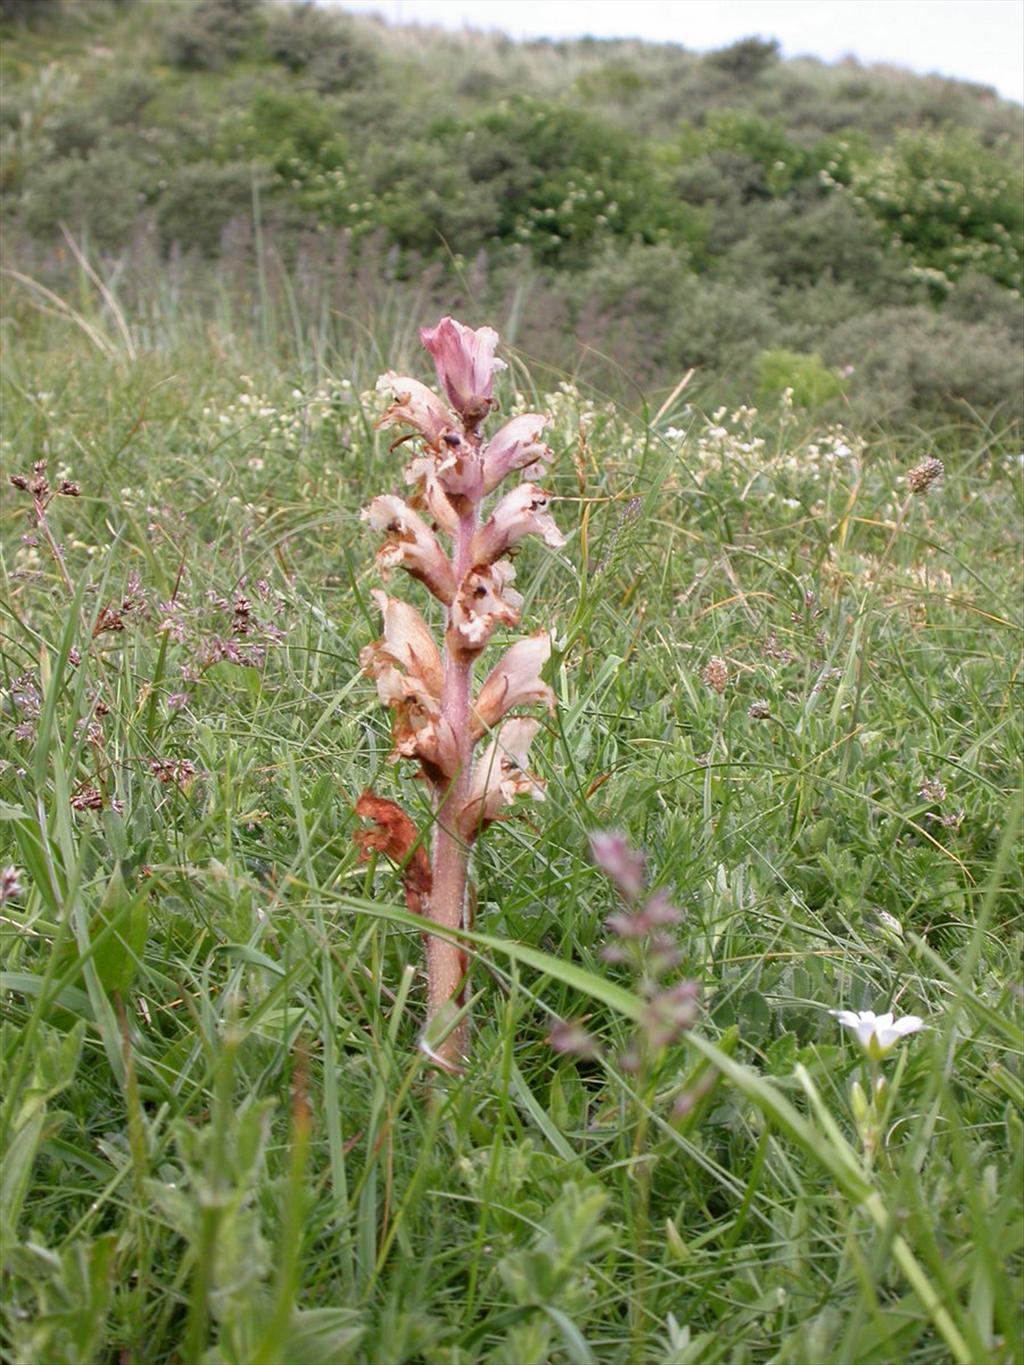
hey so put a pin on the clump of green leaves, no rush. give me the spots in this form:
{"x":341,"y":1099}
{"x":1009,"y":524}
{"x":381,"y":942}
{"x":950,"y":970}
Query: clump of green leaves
{"x":809,"y":381}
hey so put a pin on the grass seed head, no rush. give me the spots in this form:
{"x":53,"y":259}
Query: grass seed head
{"x":921,"y":478}
{"x":716,"y":674}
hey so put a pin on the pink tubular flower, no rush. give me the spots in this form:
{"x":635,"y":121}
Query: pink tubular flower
{"x":570,"y":1037}
{"x":411,"y":545}
{"x":417,"y":734}
{"x":523,"y":512}
{"x":406,"y":666}
{"x":670,"y":1013}
{"x":500,"y":776}
{"x":405,"y":662}
{"x":484,"y":601}
{"x":460,"y":471}
{"x":514,"y":681}
{"x":466,"y":365}
{"x":415,"y":406}
{"x":10,"y":885}
{"x":516,"y":446}
{"x":430,"y":493}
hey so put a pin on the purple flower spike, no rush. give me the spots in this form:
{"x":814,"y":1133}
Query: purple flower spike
{"x":570,"y":1037}
{"x":620,"y":863}
{"x":671,"y":1013}
{"x":442,"y":536}
{"x":659,"y":910}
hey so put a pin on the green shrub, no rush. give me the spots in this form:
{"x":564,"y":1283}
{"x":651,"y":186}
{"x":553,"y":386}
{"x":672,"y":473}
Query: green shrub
{"x":811,"y":383}
{"x":324,"y":45}
{"x":746,"y":59}
{"x":950,"y":203}
{"x":288,"y":129}
{"x":720,"y":325}
{"x":427,"y":201}
{"x":917,"y":360}
{"x":627,"y":301}
{"x":124,"y":99}
{"x":199,"y":201}
{"x":208,"y":34}
{"x":74,"y":131}
{"x":98,"y":198}
{"x":809,"y":311}
{"x":29,"y":11}
{"x":563,"y":181}
{"x":761,"y":141}
{"x":618,"y":80}
{"x":815,"y":235}
{"x":977,"y":298}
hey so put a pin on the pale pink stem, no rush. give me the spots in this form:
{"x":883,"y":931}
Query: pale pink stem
{"x":450,"y":858}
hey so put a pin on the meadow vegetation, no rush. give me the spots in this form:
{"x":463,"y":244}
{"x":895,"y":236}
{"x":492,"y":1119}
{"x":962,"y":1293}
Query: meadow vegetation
{"x":786,"y":662}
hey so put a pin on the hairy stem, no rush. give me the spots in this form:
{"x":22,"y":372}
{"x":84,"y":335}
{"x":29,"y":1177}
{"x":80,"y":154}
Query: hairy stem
{"x":450,"y":861}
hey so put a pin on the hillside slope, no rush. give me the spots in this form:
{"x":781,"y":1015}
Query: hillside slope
{"x":852,"y":233}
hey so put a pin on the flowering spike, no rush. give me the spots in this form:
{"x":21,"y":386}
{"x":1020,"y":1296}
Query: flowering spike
{"x":429,"y":692}
{"x":620,"y":862}
{"x":922,"y":476}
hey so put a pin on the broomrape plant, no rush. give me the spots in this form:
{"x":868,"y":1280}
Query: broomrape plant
{"x":436,"y":721}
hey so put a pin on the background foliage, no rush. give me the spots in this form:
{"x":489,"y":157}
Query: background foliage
{"x":667,"y":210}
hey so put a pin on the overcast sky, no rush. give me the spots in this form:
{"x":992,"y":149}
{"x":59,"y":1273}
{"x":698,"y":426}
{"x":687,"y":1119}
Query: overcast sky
{"x":982,"y":40}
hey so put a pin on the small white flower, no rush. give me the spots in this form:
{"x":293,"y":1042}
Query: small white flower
{"x":878,"y":1034}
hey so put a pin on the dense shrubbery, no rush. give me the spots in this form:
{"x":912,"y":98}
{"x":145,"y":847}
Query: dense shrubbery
{"x":669,"y":209}
{"x":98,"y":197}
{"x":200,"y":200}
{"x":323,"y":46}
{"x":952,"y":204}
{"x":915,"y":359}
{"x":208,"y":34}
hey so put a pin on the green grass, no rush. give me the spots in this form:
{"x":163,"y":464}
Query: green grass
{"x":222,"y":1142}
